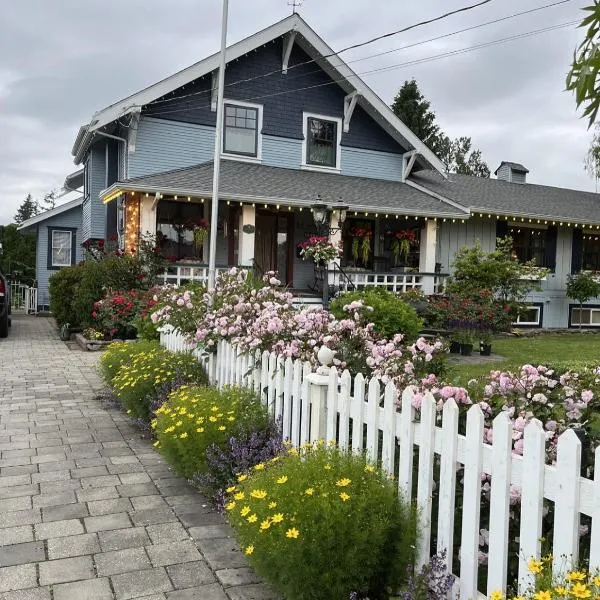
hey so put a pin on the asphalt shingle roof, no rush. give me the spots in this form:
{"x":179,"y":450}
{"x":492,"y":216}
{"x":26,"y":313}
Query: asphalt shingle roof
{"x":260,"y":183}
{"x":523,"y":200}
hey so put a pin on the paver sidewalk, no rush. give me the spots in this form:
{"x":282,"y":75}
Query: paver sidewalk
{"x":88,"y":510}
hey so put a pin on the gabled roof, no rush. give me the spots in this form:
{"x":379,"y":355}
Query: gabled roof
{"x":497,"y":197}
{"x":312,"y":43}
{"x":53,"y":212}
{"x":518,"y":167}
{"x":260,"y":184}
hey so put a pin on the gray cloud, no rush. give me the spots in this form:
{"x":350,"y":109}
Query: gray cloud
{"x":61,"y":61}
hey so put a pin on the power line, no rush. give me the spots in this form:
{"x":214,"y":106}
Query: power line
{"x":392,"y":67}
{"x":278,"y":71}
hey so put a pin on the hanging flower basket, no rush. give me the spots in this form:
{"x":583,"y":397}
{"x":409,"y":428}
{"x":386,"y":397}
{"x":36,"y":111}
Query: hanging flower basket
{"x":318,"y":249}
{"x":361,"y":244}
{"x":402,"y":243}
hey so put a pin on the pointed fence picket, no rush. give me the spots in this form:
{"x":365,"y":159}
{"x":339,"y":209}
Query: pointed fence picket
{"x":365,"y":415}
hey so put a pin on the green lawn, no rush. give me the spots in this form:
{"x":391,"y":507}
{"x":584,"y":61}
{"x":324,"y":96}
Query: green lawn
{"x":558,"y":350}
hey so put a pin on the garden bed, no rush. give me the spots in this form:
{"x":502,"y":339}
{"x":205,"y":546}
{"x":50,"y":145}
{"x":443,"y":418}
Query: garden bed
{"x":94,"y":345}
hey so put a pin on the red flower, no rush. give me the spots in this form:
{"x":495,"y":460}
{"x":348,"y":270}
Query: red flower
{"x":94,"y":314}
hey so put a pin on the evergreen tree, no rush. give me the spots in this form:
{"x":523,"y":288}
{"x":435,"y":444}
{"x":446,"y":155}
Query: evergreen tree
{"x":29,"y":208}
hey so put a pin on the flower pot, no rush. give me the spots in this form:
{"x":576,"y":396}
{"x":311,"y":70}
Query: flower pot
{"x":485,"y":349}
{"x":466,"y":349}
{"x":454,"y":347}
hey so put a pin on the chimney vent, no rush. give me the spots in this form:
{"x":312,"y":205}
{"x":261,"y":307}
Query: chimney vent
{"x":511,"y":172}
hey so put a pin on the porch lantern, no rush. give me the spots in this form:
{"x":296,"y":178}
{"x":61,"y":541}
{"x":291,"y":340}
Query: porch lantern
{"x":342,"y":213}
{"x":319,"y":213}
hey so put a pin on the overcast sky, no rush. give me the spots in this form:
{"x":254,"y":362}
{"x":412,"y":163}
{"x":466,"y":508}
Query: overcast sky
{"x":61,"y":60}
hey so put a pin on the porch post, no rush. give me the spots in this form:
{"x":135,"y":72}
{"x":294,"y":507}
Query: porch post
{"x":147,"y":216}
{"x":427,"y":254}
{"x":246,"y":238}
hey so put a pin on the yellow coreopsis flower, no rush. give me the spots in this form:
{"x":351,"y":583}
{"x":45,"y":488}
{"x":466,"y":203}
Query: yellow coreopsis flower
{"x":282,"y":479}
{"x":292,"y":533}
{"x":596,"y":580}
{"x":562,"y":591}
{"x":252,"y":519}
{"x":542,"y":595}
{"x":580,"y":590}
{"x":344,"y":497}
{"x":212,"y":419}
{"x":222,"y":428}
{"x":259,"y":467}
{"x":497,"y":595}
{"x":183,"y":435}
{"x":535,"y":566}
{"x":343,"y":482}
{"x":265,"y":525}
{"x":230,"y":489}
{"x":170,"y":429}
{"x":272,"y":505}
{"x":277,"y":518}
{"x":242,"y":478}
{"x":179,"y":424}
{"x":258,"y":494}
{"x":230,"y":506}
{"x":239,"y":496}
{"x":309,"y":491}
{"x":245,"y":511}
{"x":369,"y":469}
{"x":249,"y":550}
{"x":575,"y":576}
{"x":156,"y":443}
{"x":200,"y":430}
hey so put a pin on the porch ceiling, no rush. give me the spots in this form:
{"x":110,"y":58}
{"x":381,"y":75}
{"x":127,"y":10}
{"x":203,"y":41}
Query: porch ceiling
{"x":249,"y":182}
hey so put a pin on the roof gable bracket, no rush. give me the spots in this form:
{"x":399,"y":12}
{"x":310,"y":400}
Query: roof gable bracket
{"x":214,"y":84}
{"x":349,"y":106}
{"x":133,"y":127}
{"x":287,"y":51}
{"x":408,"y":162}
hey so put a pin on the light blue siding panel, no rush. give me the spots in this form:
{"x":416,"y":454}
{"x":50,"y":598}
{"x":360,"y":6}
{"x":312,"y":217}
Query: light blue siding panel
{"x":71,"y":219}
{"x":86,"y":230}
{"x":453,"y":236}
{"x":371,"y":164}
{"x":95,"y":213}
{"x":165,"y":145}
{"x":281,"y":152}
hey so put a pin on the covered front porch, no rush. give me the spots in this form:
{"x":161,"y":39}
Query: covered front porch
{"x":386,"y":237}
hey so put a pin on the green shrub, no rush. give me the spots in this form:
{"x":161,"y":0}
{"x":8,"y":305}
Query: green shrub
{"x":119,"y":353}
{"x":390,"y":315}
{"x":137,"y":381}
{"x":64,"y":288}
{"x":195,"y":418}
{"x":322,"y":523}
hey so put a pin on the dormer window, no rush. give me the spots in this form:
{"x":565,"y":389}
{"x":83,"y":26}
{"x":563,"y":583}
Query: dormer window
{"x":241,"y":129}
{"x":322,"y":137}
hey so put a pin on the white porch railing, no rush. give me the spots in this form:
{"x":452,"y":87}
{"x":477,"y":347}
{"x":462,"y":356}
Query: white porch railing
{"x":428,"y":283}
{"x":180,"y":274}
{"x":23,"y":298}
{"x":341,"y":407}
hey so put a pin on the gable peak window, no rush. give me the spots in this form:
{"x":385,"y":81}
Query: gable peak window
{"x":241,"y":129}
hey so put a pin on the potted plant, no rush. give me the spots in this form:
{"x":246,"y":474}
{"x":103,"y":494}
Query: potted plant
{"x":466,"y":340}
{"x":361,"y":244}
{"x":485,"y":343}
{"x":401,"y":244}
{"x":319,"y":249}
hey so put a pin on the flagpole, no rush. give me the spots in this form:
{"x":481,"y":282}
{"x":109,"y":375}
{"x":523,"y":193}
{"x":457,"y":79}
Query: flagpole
{"x":214,"y":213}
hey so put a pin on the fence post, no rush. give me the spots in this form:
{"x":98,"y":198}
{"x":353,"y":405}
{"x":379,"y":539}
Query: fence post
{"x":318,"y":384}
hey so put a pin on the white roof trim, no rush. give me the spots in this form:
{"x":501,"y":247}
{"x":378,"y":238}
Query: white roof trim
{"x":51,"y":213}
{"x":292,"y":23}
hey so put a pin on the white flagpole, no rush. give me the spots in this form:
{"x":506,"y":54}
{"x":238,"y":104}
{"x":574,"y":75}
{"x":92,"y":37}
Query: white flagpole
{"x":214,"y":212}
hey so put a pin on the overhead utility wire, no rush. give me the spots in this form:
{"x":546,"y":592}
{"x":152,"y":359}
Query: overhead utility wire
{"x":439,"y":37}
{"x":353,"y":46}
{"x":392,"y":67}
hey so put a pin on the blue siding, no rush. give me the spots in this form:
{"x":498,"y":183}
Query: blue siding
{"x":94,"y":211}
{"x":86,"y":227}
{"x":70,"y":219}
{"x":370,"y":163}
{"x":165,"y":145}
{"x":282,"y":97}
{"x":281,"y":152}
{"x":453,"y":236}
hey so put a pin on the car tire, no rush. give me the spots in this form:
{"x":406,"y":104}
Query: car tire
{"x":4,"y":325}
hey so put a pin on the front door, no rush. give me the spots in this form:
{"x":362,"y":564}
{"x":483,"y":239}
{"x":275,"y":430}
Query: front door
{"x":273,"y":244}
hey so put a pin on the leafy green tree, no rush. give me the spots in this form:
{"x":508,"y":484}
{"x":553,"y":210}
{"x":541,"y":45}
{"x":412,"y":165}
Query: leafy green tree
{"x":582,"y":287}
{"x":583,"y":78}
{"x":18,"y":252}
{"x":414,"y":110}
{"x":29,"y":208}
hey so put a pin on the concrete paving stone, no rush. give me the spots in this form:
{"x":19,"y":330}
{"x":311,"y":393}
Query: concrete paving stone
{"x":121,"y":561}
{"x":18,"y":578}
{"x":66,"y":569}
{"x":258,"y":591}
{"x":100,"y":481}
{"x":57,"y":465}
{"x":173,"y":553}
{"x":141,"y":583}
{"x":126,"y":468}
{"x":206,"y":592}
{"x":106,"y":507}
{"x":153,"y":597}
{"x":19,"y":490}
{"x":14,"y":462}
{"x":234,"y":577}
{"x":42,"y":500}
{"x":16,"y":535}
{"x":200,"y":519}
{"x":107,"y":435}
{"x":49,"y":443}
{"x":63,"y":512}
{"x":73,"y":545}
{"x":18,"y":503}
{"x":56,"y":529}
{"x":92,"y":494}
{"x":153,"y":516}
{"x":13,"y":445}
{"x":11,"y":480}
{"x":130,"y":478}
{"x":211,"y":531}
{"x":188,"y":500}
{"x":58,"y":452}
{"x":90,"y":589}
{"x":221,"y":553}
{"x":110,"y":452}
{"x":18,"y":554}
{"x":46,"y":458}
{"x":119,"y":444}
{"x":119,"y":539}
{"x":20,"y":517}
{"x":18,"y":470}
{"x":124,"y":460}
{"x":167,"y":532}
{"x":15,"y":453}
{"x":30,"y":594}
{"x":54,"y":487}
{"x":137,"y":489}
{"x":61,"y":475}
{"x":89,"y":472}
{"x":144,"y":502}
{"x":107,"y":522}
{"x":191,"y":574}
{"x":83,"y":463}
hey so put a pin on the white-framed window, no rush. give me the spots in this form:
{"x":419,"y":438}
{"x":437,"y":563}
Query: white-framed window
{"x":62,"y":246}
{"x":242,"y":130}
{"x":322,"y":142}
{"x":587,"y":316}
{"x":531,"y":316}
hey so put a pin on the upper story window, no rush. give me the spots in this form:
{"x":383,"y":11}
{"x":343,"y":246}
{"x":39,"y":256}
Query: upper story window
{"x":60,"y":251}
{"x":529,"y":244}
{"x":591,"y":253}
{"x":241,"y":130}
{"x":322,"y":138}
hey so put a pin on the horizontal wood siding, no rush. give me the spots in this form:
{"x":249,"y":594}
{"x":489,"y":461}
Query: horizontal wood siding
{"x":70,"y":219}
{"x":97,"y":211}
{"x":86,"y":228}
{"x":281,"y":152}
{"x":165,"y":145}
{"x":372,"y":164}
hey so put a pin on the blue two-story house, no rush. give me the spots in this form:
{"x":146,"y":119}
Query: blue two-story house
{"x":308,"y":146}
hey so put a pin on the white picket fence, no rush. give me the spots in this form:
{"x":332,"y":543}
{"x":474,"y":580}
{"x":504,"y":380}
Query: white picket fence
{"x":23,"y":298}
{"x":362,"y":414}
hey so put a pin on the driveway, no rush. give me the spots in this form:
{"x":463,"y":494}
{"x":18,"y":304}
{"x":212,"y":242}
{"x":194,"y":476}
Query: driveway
{"x":88,"y":510}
